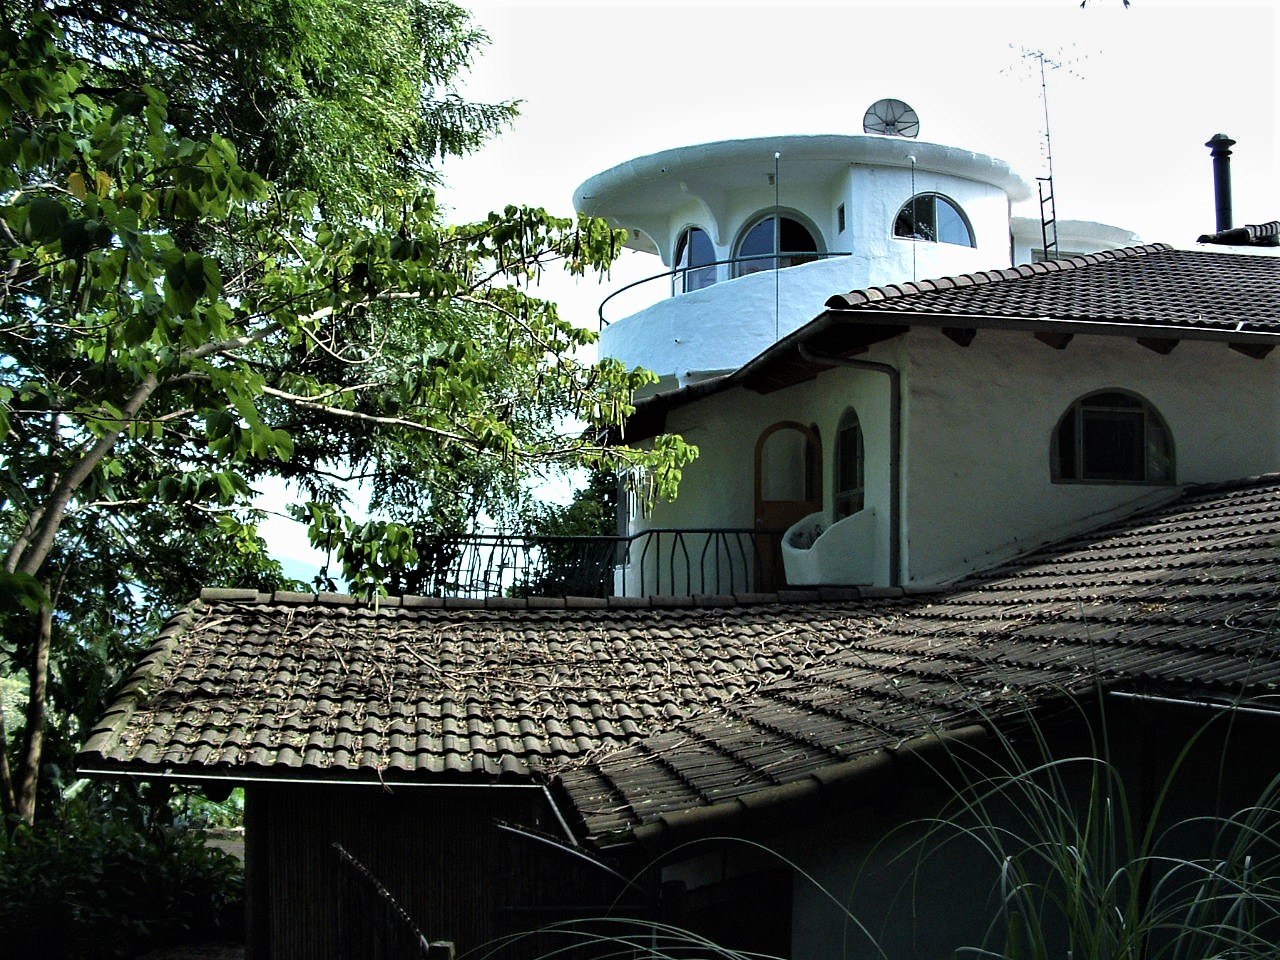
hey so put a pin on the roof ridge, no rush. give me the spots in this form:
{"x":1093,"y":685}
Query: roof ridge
{"x":832,"y":594}
{"x":1262,"y":234}
{"x":910,"y":288}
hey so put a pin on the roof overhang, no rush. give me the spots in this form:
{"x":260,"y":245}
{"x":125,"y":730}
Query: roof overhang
{"x":846,"y":332}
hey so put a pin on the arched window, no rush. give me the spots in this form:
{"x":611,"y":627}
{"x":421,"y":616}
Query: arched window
{"x":850,"y":464}
{"x":931,"y":216}
{"x":694,"y":258}
{"x":775,"y":235}
{"x":1111,"y":437}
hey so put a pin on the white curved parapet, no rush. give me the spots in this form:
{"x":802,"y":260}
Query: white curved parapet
{"x":723,"y":326}
{"x":1074,"y":237}
{"x":844,"y":194}
{"x":815,"y":551}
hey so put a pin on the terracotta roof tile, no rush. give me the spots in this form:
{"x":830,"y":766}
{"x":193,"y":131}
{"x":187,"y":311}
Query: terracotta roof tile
{"x":1155,"y":285}
{"x":1180,"y":601}
{"x":646,"y":712}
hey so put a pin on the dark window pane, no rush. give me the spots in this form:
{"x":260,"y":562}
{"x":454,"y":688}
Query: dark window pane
{"x":796,"y":237}
{"x":796,"y":240}
{"x":1114,"y":447}
{"x":1159,"y":452}
{"x":1066,"y":448}
{"x":916,"y":219}
{"x":693,"y":254}
{"x":758,"y":241}
{"x":850,"y":467}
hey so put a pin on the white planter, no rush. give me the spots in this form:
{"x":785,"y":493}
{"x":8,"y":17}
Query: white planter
{"x":844,"y":553}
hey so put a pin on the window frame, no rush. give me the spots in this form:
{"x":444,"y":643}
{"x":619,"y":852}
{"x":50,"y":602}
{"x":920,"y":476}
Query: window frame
{"x":789,"y":258}
{"x":935,"y":199}
{"x":1084,"y":427}
{"x":853,"y":495}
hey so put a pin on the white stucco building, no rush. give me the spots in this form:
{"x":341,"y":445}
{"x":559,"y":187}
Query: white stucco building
{"x":914,"y":431}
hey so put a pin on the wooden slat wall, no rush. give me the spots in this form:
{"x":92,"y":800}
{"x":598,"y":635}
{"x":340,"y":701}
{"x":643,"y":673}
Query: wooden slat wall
{"x":435,"y":849}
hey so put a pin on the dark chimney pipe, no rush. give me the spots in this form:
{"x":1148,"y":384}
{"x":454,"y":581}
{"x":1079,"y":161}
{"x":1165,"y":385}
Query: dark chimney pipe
{"x":1220,"y":147}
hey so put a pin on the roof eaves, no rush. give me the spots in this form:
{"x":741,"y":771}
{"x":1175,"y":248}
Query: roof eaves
{"x":1240,"y":334}
{"x":363,"y":776}
{"x":803,"y":798}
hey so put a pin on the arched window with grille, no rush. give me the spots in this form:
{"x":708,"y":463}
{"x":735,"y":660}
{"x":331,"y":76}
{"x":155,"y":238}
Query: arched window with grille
{"x":1111,"y":436}
{"x":775,"y":242}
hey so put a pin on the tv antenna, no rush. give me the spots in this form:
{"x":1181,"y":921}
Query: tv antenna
{"x":1048,"y":204}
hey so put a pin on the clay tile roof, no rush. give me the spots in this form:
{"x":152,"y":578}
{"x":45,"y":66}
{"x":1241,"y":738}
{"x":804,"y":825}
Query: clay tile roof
{"x":250,"y":684}
{"x":1155,"y":285}
{"x":650,"y":711}
{"x":1180,"y":602}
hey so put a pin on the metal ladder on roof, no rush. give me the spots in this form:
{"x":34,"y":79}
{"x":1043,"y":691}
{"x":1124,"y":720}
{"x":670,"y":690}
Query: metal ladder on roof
{"x":1048,"y":218}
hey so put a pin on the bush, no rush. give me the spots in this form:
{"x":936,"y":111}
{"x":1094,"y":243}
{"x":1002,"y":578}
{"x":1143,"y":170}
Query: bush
{"x":103,"y":879}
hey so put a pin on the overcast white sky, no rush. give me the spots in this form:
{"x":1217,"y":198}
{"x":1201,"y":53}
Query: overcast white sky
{"x":605,"y":81}
{"x":1142,"y":90}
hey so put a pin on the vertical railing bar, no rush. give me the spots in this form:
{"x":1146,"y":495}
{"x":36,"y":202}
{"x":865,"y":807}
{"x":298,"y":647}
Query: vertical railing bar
{"x":688,"y":575}
{"x":702,"y":563}
{"x":644,"y":554}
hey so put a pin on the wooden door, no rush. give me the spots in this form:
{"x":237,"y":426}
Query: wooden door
{"x":788,"y":487}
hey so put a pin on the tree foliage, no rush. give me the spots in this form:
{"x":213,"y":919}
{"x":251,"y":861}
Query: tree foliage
{"x":175,"y":325}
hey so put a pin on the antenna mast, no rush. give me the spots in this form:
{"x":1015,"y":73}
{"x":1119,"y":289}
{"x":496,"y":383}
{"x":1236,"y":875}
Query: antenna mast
{"x":1048,"y":207}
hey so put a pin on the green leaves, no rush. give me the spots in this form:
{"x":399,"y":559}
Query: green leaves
{"x":45,"y":219}
{"x":20,"y":591}
{"x":187,"y":278}
{"x":370,"y":552}
{"x":175,"y":327}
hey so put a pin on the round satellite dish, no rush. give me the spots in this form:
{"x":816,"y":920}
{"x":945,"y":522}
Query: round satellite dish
{"x":892,"y":118}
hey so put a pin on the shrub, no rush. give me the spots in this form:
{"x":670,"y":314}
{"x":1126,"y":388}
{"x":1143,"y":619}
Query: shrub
{"x":102,"y":879}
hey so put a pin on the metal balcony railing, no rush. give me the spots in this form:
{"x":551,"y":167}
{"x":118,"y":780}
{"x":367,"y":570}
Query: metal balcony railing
{"x":689,"y":279}
{"x":679,"y":562}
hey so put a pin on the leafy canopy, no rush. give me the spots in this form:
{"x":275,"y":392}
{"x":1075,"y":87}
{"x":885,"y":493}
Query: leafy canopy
{"x":175,"y":326}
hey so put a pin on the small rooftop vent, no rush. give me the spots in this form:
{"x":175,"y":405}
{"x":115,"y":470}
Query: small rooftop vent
{"x":892,"y":118}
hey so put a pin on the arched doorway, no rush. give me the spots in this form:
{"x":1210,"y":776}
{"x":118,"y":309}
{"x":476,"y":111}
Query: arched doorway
{"x":788,"y":487}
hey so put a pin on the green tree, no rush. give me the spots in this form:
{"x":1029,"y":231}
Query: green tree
{"x":350,"y":99}
{"x":174,"y":326}
{"x":576,"y":543}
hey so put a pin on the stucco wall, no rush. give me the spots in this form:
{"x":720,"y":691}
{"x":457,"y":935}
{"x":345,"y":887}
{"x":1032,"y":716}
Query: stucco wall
{"x":723,"y":326}
{"x":718,"y":490}
{"x":979,"y":420}
{"x":977,"y":423}
{"x":876,"y":196}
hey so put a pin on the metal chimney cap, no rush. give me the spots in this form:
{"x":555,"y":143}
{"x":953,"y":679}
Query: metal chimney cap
{"x":1220,"y":140}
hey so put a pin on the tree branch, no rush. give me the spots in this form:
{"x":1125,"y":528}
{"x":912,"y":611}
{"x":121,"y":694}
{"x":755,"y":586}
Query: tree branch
{"x":307,"y":404}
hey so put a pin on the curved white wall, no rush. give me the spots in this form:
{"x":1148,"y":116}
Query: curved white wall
{"x":723,"y":326}
{"x":723,"y":188}
{"x":1074,"y":237}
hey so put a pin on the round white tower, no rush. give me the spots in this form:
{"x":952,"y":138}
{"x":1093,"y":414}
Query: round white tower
{"x":756,"y":234}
